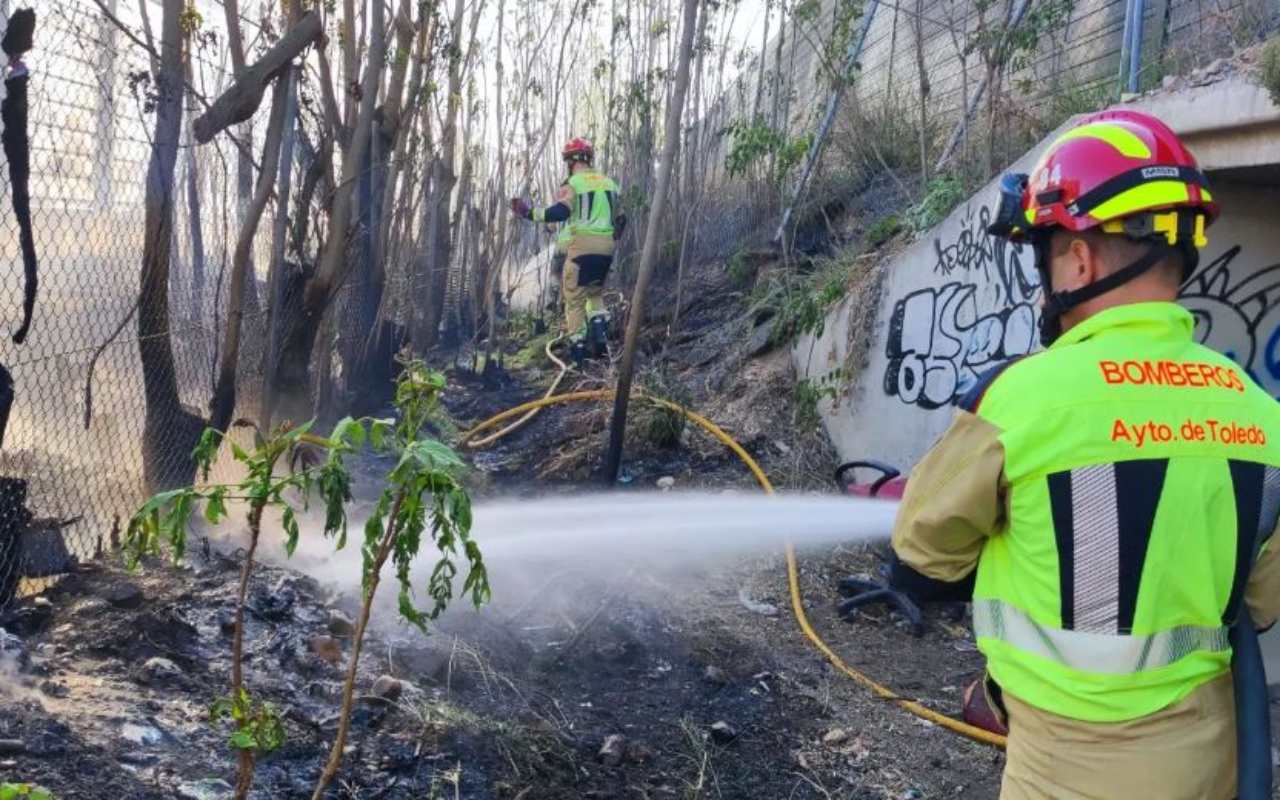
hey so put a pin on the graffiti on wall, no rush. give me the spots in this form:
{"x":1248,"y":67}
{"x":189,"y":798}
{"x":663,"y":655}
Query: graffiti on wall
{"x":941,"y":338}
{"x":1239,"y":316}
{"x":984,"y":310}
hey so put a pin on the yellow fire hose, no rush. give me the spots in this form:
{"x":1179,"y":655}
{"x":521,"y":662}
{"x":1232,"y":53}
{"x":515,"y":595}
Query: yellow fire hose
{"x":531,"y":413}
{"x":793,"y":568}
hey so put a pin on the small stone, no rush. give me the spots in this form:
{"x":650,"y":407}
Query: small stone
{"x":340,"y":624}
{"x":723,"y":733}
{"x":157,"y":671}
{"x":10,"y":747}
{"x":666,"y":482}
{"x":835,"y":736}
{"x":639,"y":753}
{"x":327,"y":647}
{"x":42,"y":602}
{"x":145,"y":735}
{"x":123,"y":594}
{"x":713,"y":674}
{"x":761,"y":338}
{"x":207,"y":789}
{"x":910,"y":794}
{"x":387,"y":688}
{"x":53,"y":689}
{"x":613,"y":749}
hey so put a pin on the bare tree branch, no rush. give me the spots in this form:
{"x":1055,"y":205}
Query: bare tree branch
{"x":239,"y":102}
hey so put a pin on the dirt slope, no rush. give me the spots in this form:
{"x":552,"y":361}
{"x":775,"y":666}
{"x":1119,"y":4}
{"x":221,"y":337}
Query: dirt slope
{"x":703,"y":674}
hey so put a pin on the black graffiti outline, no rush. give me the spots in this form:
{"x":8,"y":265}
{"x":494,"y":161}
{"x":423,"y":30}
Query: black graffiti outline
{"x":975,"y":249}
{"x":1252,"y":298}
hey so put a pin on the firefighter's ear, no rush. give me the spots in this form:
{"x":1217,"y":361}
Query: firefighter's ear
{"x":1080,"y":266}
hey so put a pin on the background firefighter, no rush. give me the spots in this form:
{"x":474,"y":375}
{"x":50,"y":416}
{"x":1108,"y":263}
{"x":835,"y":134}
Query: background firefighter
{"x":588,"y":204}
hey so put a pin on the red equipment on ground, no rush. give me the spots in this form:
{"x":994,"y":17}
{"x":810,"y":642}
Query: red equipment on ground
{"x":890,"y":484}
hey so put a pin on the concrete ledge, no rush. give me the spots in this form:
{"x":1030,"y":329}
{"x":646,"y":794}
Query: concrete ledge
{"x":1228,"y":124}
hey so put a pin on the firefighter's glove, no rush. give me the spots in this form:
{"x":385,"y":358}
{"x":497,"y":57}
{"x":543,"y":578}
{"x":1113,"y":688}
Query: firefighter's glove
{"x":521,"y":208}
{"x":860,"y":592}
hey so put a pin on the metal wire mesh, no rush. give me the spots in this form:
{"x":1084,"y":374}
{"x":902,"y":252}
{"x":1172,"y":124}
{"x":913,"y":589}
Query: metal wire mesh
{"x":1077,"y":63}
{"x":90,"y":124}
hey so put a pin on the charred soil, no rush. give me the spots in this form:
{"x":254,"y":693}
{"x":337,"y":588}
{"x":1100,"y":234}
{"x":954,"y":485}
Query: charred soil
{"x":696,"y":684}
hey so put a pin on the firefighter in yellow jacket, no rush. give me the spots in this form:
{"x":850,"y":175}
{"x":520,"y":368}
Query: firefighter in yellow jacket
{"x":1107,"y":504}
{"x":588,"y":205}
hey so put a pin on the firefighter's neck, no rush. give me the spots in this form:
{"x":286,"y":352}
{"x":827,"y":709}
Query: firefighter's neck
{"x":1082,"y":264}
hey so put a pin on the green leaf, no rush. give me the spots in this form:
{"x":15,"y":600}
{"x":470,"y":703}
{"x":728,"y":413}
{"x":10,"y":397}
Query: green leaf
{"x":290,"y":524}
{"x":220,"y":709}
{"x":215,"y":508}
{"x":174,"y":524}
{"x":347,"y":433}
{"x":206,"y":451}
{"x":335,"y":489}
{"x":380,"y":431}
{"x":434,"y":456}
{"x":243,"y":739}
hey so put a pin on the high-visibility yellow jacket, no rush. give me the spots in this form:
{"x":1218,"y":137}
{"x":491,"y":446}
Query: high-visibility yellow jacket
{"x":1112,"y":500}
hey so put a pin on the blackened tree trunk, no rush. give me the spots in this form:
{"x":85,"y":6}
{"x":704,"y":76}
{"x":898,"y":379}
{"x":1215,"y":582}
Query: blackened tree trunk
{"x":223,"y":404}
{"x":292,"y":364}
{"x":675,"y":110}
{"x":439,"y":242}
{"x":170,"y":432}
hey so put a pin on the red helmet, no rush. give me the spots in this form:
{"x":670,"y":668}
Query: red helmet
{"x":579,"y":149}
{"x":1122,"y":172}
{"x":1117,"y":170}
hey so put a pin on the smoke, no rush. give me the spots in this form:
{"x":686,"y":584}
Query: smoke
{"x":11,"y":682}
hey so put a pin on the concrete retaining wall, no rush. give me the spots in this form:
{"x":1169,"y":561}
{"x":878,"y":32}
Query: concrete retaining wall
{"x":957,"y":301}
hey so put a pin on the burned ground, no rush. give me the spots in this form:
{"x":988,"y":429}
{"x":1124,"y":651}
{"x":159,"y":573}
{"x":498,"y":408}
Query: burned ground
{"x":696,"y":684}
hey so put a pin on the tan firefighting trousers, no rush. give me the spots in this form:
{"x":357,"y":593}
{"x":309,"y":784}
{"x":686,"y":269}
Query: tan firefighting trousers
{"x":1184,"y":752}
{"x":583,"y":300}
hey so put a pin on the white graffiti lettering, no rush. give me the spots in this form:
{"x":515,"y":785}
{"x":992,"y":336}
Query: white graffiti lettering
{"x":941,"y":339}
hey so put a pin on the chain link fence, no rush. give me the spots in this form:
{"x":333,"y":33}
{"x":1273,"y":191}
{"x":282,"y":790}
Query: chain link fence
{"x":90,"y":124}
{"x":922,"y":64}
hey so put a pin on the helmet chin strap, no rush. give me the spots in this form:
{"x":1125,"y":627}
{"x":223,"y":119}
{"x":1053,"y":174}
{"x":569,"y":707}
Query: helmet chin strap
{"x":1058,"y":303}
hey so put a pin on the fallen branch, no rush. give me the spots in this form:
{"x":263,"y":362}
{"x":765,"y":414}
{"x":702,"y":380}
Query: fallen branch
{"x":239,"y":102}
{"x":153,"y":53}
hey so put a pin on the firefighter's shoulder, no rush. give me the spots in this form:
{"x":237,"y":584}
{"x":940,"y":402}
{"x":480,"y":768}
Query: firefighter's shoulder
{"x":1001,"y":378}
